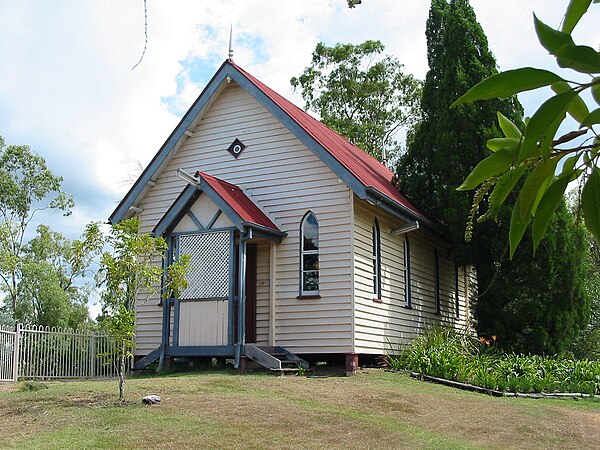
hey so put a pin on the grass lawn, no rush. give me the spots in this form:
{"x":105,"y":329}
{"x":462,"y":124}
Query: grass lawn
{"x":374,"y":409}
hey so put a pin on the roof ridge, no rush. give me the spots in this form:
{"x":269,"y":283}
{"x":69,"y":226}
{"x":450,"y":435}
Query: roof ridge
{"x":378,"y":176}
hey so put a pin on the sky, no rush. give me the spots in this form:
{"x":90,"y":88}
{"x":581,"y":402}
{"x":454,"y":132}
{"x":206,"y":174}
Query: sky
{"x":68,"y":90}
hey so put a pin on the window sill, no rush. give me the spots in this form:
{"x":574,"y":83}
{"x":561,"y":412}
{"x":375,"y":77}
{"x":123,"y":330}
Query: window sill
{"x":377,"y":300}
{"x":308,"y":297}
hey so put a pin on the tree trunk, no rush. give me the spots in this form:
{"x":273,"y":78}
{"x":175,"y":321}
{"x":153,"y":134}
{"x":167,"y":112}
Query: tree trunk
{"x":122,"y":373}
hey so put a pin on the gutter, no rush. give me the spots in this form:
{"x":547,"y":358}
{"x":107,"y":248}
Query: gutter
{"x":390,"y":205}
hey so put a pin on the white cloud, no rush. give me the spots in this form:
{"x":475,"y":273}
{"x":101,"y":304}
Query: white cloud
{"x":68,"y":90}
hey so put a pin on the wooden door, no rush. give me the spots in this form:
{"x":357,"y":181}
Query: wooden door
{"x":250,"y":316}
{"x":251,"y":293}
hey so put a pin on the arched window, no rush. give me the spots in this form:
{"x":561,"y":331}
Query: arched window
{"x":407,"y":281}
{"x":309,"y":255}
{"x":376,"y":260}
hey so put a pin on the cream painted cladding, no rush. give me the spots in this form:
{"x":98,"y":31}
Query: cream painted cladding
{"x":383,"y":327}
{"x":285,"y":179}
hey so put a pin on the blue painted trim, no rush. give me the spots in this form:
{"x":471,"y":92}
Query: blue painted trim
{"x":407,"y":274}
{"x":259,"y":231}
{"x":176,"y":135}
{"x":165,"y":322}
{"x":230,"y":311}
{"x":377,"y":251}
{"x":242,"y":290}
{"x":302,"y":292}
{"x":211,"y":88}
{"x":191,"y":215}
{"x":204,"y":350}
{"x":342,"y":173}
{"x":238,"y":354}
{"x":214,"y":219}
{"x":204,"y":299}
{"x":176,"y":323}
{"x":222,"y":204}
{"x":177,"y":210}
{"x":212,"y":230}
{"x":402,"y":212}
{"x":148,"y":359}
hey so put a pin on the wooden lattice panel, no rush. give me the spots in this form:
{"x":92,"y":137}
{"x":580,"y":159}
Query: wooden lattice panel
{"x":208,"y":276}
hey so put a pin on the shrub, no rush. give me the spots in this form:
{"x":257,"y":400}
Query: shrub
{"x":445,"y":353}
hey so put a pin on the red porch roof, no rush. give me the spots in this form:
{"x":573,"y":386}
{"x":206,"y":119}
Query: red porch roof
{"x":239,"y":202}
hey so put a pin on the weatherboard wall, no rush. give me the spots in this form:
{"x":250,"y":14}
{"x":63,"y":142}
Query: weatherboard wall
{"x":382,"y":327}
{"x":285,"y":179}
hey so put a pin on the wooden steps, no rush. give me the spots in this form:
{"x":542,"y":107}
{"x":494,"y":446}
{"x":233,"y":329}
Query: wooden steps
{"x":276,"y":359}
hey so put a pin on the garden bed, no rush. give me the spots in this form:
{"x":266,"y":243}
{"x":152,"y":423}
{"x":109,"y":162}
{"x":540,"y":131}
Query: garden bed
{"x":496,"y":393}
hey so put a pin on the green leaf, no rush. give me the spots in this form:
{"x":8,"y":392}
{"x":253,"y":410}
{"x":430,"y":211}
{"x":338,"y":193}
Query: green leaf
{"x":577,"y":107}
{"x":491,"y":166}
{"x":496,"y":144}
{"x":550,"y":38}
{"x":506,"y":84}
{"x":548,"y":204}
{"x":575,"y":10}
{"x":509,"y":129}
{"x":592,"y":118}
{"x":581,"y":58}
{"x":534,"y":185}
{"x":504,"y":186}
{"x":568,"y":165}
{"x":590,"y":203}
{"x":544,"y":122}
{"x":517,"y":227}
{"x":596,"y":90}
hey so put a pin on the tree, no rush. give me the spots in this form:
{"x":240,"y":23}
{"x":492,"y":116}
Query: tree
{"x":128,"y":271}
{"x":539,"y":304}
{"x":546,"y":162}
{"x":25,"y":185}
{"x":361,"y":94}
{"x":443,"y":149}
{"x":50,"y":291}
{"x":446,"y":144}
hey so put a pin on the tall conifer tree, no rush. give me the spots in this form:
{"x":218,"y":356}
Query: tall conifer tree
{"x":528,"y":302}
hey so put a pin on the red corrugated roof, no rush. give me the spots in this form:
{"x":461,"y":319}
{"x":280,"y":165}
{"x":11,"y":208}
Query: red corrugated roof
{"x":240,"y":203}
{"x":369,"y":171}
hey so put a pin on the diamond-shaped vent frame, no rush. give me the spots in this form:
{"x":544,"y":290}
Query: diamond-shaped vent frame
{"x":236,"y":147}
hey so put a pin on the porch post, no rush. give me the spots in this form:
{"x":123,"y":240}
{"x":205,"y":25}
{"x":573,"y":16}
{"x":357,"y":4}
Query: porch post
{"x":272,"y":296}
{"x":241,"y":298}
{"x":165,"y":331}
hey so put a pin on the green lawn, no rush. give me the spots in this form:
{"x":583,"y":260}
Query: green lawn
{"x":374,"y":409}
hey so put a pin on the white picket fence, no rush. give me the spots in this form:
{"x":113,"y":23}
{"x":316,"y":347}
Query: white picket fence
{"x":29,"y":351}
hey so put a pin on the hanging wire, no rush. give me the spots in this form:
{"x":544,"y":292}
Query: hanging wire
{"x":145,"y":35}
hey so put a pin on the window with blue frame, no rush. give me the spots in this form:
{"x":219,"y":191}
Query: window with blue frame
{"x":376,"y":237}
{"x":407,"y":276}
{"x":309,"y":255}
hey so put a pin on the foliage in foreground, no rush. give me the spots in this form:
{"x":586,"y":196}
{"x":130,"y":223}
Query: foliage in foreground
{"x":129,"y":270}
{"x":536,"y":304}
{"x":547,"y":162}
{"x":445,"y":353}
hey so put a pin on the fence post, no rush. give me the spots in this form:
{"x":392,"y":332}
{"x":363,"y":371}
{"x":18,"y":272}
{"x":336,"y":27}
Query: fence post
{"x":16,"y":351}
{"x":93,"y":355}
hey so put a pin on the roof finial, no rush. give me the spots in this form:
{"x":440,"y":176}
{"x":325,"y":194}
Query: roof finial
{"x":230,"y":42}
